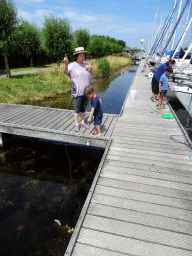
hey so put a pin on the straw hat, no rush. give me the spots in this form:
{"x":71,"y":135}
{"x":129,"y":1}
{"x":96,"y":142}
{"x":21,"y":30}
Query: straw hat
{"x":79,"y":50}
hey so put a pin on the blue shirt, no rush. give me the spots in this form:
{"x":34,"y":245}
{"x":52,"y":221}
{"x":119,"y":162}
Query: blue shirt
{"x":164,"y":82}
{"x":95,"y":103}
{"x":160,"y":71}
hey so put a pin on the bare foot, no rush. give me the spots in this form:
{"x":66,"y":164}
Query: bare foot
{"x":99,"y":134}
{"x":93,"y":133}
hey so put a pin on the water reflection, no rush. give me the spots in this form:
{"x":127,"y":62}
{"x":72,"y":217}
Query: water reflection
{"x":113,"y":90}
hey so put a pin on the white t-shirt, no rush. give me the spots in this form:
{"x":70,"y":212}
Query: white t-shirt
{"x":80,"y":77}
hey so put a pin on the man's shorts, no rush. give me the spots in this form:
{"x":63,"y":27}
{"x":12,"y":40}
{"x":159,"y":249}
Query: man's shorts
{"x":163,"y":94}
{"x":155,"y":86}
{"x":80,"y":103}
{"x":98,"y":120}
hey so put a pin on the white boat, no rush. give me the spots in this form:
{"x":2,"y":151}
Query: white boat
{"x":184,"y":95}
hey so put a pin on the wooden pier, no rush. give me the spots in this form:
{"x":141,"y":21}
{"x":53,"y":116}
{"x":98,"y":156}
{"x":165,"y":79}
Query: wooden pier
{"x":140,"y":202}
{"x":52,"y":124}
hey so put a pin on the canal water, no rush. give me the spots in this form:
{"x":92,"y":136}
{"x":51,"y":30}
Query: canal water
{"x":43,"y":184}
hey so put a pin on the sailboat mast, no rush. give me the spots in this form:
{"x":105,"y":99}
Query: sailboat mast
{"x":175,"y":30}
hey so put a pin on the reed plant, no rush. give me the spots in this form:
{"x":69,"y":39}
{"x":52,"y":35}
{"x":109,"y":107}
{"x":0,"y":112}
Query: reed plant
{"x":114,"y":61}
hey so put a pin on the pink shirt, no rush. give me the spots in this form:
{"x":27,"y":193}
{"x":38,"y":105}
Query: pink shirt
{"x":80,"y":78}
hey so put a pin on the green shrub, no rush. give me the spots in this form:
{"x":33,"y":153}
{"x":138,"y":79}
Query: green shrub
{"x":104,"y":66}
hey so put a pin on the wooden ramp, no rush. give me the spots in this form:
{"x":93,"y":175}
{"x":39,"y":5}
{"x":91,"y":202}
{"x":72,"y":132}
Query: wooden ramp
{"x":52,"y":124}
{"x":140,"y":202}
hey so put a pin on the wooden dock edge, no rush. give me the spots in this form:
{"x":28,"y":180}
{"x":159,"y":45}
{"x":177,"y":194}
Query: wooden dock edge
{"x":82,"y":215}
{"x":128,"y":93}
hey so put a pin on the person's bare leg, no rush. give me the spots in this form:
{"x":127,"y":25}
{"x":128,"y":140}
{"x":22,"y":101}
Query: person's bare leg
{"x":82,"y":115}
{"x":162,"y":104}
{"x":154,"y":97}
{"x":94,"y":132}
{"x":98,"y":128}
{"x":76,"y":115}
{"x":159,"y":103}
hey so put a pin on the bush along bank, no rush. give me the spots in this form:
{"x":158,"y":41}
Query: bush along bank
{"x":105,"y":66}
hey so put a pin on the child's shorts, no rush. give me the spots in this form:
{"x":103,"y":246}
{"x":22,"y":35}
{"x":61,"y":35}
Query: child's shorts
{"x":97,"y":120}
{"x":163,"y":94}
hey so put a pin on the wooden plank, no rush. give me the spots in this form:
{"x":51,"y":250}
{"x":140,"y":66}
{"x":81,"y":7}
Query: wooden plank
{"x":126,"y":151}
{"x":139,"y":232}
{"x":173,"y":141}
{"x":151,"y":161}
{"x":165,"y":139}
{"x":24,"y":115}
{"x":66,"y":123}
{"x":126,"y":245}
{"x":155,"y":175}
{"x":11,"y":113}
{"x":106,"y":125}
{"x":41,"y":116}
{"x":148,"y":181}
{"x":111,"y":128}
{"x":30,"y":118}
{"x":145,"y":188}
{"x":141,"y":206}
{"x":46,"y":119}
{"x":141,"y":166}
{"x":151,"y":146}
{"x":161,"y":222}
{"x":147,"y":128}
{"x":157,"y":134}
{"x":54,"y":119}
{"x":86,"y":250}
{"x":60,"y":119}
{"x":145,"y":197}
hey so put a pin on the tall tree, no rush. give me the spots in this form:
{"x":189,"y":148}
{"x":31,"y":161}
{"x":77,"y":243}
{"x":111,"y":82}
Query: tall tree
{"x":82,"y":38}
{"x":28,"y":37}
{"x":8,"y":21}
{"x":57,"y":35}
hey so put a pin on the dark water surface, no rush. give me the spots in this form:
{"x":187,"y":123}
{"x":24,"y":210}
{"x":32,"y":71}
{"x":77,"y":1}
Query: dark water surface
{"x":43,"y":185}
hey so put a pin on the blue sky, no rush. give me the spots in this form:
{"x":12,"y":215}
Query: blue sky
{"x":127,"y":20}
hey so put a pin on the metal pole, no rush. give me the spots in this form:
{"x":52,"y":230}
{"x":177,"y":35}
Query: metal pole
{"x":177,"y":20}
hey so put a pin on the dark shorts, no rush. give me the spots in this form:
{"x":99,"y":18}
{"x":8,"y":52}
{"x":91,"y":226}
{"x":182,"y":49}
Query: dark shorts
{"x":155,"y":86}
{"x":98,"y":120}
{"x":163,"y":94}
{"x":80,"y":103}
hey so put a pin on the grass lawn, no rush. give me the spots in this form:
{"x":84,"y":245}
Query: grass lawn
{"x":34,"y":86}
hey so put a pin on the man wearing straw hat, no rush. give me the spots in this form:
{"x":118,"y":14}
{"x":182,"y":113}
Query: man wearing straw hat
{"x":81,"y":74}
